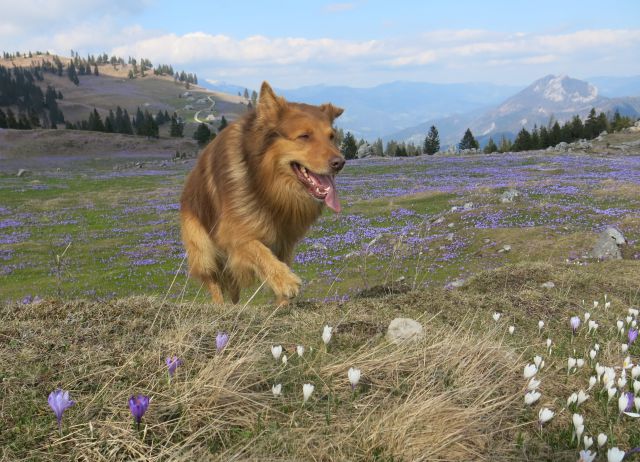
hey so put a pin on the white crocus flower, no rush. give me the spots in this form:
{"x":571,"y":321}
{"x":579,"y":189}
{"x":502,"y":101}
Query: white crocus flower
{"x":532,"y":397}
{"x":599,"y":371}
{"x":595,"y":304}
{"x":530,"y":370}
{"x":496,"y":316}
{"x":276,"y":390}
{"x":633,"y":312}
{"x":592,"y":381}
{"x":537,"y":360}
{"x":300,"y":350}
{"x":627,"y":364}
{"x":587,"y":456}
{"x":628,"y":319}
{"x":587,"y":315}
{"x":540,"y":325}
{"x":592,"y":354}
{"x":607,"y":305}
{"x":545,"y":415}
{"x":326,"y":334}
{"x":602,"y":440}
{"x":276,"y":351}
{"x":533,"y":384}
{"x":307,"y":389}
{"x":611,"y":392}
{"x":580,"y":362}
{"x":549,"y":345}
{"x":636,"y":387}
{"x":596,"y":347}
{"x":588,"y":441}
{"x":572,"y":399}
{"x":577,"y":419}
{"x":636,"y":403}
{"x":512,"y":329}
{"x":571,"y":363}
{"x":284,"y":359}
{"x":582,"y":397}
{"x":593,"y":326}
{"x":579,"y":431}
{"x":354,"y":376}
{"x":624,"y":348}
{"x":615,"y":455}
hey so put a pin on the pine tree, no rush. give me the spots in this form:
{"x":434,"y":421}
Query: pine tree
{"x":432,"y":141}
{"x":505,"y":144}
{"x":491,"y":146}
{"x":11,"y":119}
{"x":126,"y":128}
{"x":72,"y":73}
{"x":378,"y":148}
{"x":177,"y":128}
{"x":95,"y":70}
{"x":468,"y":141}
{"x":522,"y":141}
{"x":202,"y":134}
{"x":349,"y":148}
{"x":95,"y":122}
{"x":3,"y":119}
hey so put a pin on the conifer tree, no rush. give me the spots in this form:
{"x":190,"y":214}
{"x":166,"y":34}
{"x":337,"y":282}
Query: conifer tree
{"x":491,"y":146}
{"x":3,"y":119}
{"x":177,"y":128}
{"x":223,"y":124}
{"x":349,"y":148}
{"x":72,"y":73}
{"x":468,"y":141}
{"x":202,"y":134}
{"x":432,"y":141}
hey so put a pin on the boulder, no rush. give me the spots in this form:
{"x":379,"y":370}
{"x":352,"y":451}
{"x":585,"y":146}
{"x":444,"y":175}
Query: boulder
{"x":608,"y":245}
{"x":509,"y":196}
{"x":365,"y":150}
{"x":404,"y":329}
{"x":548,"y":285}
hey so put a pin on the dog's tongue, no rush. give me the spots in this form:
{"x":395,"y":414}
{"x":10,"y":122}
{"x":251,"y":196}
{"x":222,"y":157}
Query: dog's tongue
{"x":331,"y":199}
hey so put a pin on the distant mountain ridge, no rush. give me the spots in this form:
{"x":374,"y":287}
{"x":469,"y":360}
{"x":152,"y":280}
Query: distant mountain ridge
{"x":549,"y":98}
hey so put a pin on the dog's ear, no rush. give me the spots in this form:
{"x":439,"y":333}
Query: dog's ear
{"x":269,"y":105}
{"x":332,"y":111}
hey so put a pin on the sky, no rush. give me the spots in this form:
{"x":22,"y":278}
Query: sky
{"x":358,"y":43}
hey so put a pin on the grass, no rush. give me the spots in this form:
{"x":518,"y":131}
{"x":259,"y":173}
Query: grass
{"x":456,"y":395}
{"x":110,"y":314}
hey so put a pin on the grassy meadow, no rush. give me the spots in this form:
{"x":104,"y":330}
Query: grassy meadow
{"x":94,"y":240}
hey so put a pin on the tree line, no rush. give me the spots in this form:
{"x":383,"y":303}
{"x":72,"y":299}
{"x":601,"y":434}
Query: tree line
{"x":19,"y":88}
{"x":538,"y":138}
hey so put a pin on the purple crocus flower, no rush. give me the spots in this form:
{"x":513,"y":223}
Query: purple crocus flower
{"x":59,"y":401}
{"x":221,"y":341}
{"x":630,"y":398}
{"x":138,"y":406}
{"x":172,"y":364}
{"x":575,"y":323}
{"x":633,"y":335}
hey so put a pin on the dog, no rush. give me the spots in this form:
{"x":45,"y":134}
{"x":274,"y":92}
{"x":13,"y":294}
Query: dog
{"x":254,"y":193}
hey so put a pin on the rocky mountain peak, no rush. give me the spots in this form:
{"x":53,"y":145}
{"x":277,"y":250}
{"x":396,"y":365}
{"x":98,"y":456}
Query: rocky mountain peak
{"x":564,"y":89}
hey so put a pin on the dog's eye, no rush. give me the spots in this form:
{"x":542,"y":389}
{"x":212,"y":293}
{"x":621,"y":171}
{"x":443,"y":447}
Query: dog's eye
{"x":304,"y":137}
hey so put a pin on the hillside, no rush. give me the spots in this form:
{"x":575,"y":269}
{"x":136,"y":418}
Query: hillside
{"x":112,"y":88}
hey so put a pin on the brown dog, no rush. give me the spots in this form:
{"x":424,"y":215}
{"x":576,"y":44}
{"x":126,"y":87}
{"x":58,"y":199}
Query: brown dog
{"x":255,"y":191}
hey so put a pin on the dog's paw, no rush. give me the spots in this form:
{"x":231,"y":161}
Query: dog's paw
{"x":285,"y":284}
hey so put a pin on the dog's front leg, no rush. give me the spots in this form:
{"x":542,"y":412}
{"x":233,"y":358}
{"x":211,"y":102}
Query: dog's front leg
{"x":259,"y":259}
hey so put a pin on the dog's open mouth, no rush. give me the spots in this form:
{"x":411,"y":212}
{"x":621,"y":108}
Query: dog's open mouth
{"x":322,"y":187}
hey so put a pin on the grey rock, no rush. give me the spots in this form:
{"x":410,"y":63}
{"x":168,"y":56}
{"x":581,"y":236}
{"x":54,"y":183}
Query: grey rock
{"x":365,"y":150}
{"x":607,"y":247}
{"x":455,"y":283}
{"x":404,"y":329}
{"x":509,"y":196}
{"x":548,"y":285}
{"x":468,"y":206}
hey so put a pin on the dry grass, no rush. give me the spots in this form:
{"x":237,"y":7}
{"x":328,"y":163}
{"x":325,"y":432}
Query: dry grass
{"x":457,"y":395}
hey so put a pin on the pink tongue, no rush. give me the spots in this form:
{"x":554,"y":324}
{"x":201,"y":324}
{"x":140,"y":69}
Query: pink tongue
{"x":332,"y":201}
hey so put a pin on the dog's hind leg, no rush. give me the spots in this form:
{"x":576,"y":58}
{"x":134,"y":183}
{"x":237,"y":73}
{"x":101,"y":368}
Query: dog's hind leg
{"x":201,"y":254}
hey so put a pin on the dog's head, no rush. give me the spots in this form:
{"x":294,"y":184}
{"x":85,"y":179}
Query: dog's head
{"x":303,"y":151}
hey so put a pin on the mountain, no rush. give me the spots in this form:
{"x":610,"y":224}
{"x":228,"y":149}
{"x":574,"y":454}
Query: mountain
{"x":385,"y":109}
{"x":549,"y":98}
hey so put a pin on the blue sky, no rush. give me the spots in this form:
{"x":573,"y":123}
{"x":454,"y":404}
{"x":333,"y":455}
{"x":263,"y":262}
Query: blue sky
{"x":357,"y":43}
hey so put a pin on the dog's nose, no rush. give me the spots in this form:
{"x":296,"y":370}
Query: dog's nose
{"x":337,"y":163}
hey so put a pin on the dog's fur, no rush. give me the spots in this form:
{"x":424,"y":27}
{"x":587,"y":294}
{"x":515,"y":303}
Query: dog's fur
{"x":246,"y":203}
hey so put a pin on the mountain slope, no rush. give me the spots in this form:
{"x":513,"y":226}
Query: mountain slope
{"x":549,"y":98}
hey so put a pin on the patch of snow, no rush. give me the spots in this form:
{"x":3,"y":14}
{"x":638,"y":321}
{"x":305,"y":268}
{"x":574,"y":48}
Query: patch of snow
{"x":490,"y":129}
{"x":555,"y":90}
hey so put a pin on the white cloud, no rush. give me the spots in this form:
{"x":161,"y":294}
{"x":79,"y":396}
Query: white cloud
{"x":339,"y":7}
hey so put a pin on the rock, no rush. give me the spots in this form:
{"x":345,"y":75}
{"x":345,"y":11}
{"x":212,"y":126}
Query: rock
{"x":455,"y":283}
{"x":403,"y":329}
{"x":365,"y":150}
{"x":509,"y":196}
{"x":450,"y":237}
{"x":22,"y":172}
{"x":548,"y":285}
{"x":468,"y":206}
{"x":608,"y":245}
{"x":505,"y":248}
